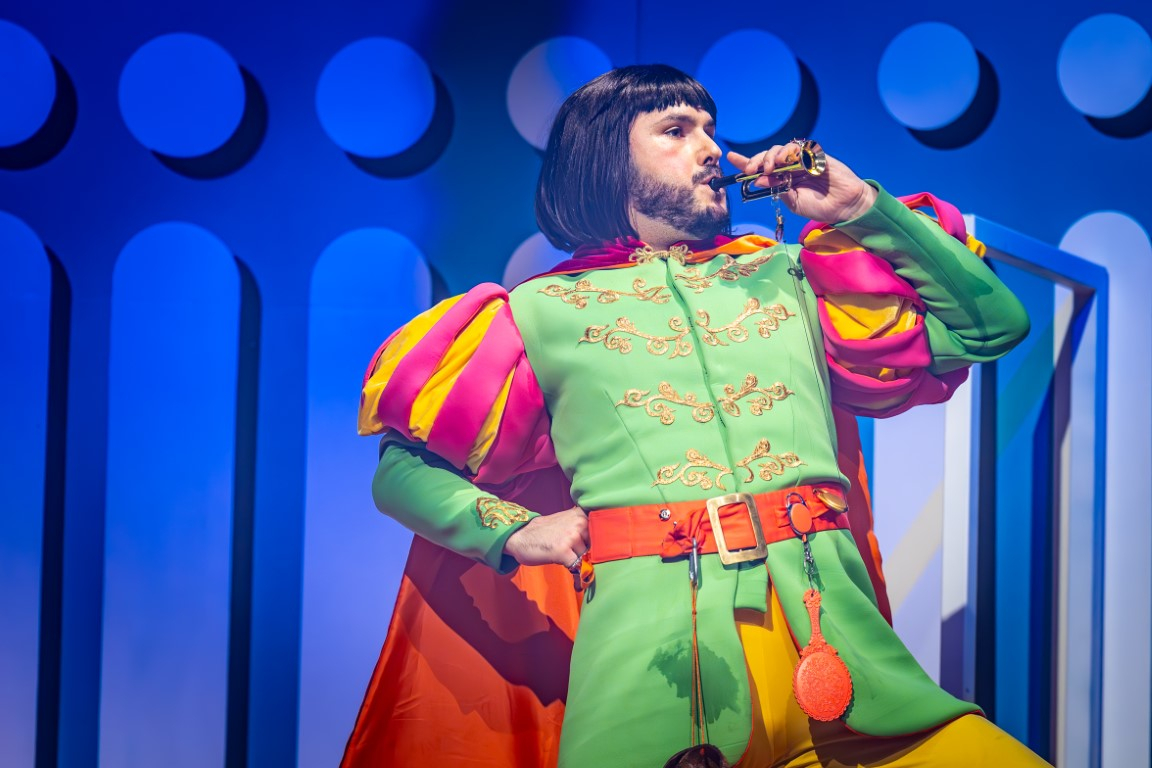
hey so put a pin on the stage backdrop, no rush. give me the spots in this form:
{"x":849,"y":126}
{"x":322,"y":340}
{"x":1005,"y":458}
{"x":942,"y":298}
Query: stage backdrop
{"x":212,"y":213}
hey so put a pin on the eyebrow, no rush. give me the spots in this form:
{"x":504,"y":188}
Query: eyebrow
{"x":684,"y":118}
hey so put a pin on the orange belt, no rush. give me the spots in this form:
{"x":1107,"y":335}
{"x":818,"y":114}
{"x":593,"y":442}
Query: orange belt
{"x":738,"y":526}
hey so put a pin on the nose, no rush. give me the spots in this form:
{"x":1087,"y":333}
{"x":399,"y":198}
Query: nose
{"x":710,"y":151}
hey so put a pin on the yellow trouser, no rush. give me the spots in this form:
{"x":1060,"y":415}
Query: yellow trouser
{"x":784,"y":737}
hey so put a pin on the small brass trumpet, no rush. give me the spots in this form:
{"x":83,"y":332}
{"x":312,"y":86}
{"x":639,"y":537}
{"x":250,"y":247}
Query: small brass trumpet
{"x":811,"y":160}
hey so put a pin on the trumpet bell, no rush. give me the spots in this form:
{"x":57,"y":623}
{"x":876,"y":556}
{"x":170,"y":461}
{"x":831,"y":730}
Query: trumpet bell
{"x":811,"y":160}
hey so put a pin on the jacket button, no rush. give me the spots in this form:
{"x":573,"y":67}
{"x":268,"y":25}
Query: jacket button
{"x":665,"y":514}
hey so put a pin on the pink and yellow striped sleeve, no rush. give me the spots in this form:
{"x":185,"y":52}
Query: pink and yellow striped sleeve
{"x":877,"y":344}
{"x":456,"y":379}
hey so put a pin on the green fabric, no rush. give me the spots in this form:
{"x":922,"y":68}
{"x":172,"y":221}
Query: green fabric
{"x":602,"y":342}
{"x":429,"y":497}
{"x":692,"y":346}
{"x":892,"y":695}
{"x":972,"y":316}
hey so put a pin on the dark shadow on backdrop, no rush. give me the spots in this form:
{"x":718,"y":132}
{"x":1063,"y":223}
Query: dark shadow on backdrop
{"x":240,"y":147}
{"x":974,"y":120}
{"x":243,"y":522}
{"x":48,"y":677}
{"x":424,"y":152}
{"x":47,"y":142}
{"x":1132,"y":124}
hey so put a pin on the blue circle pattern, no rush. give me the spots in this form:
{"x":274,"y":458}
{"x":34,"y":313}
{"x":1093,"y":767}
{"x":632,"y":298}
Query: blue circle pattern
{"x":182,"y":95}
{"x":185,"y":247}
{"x":544,"y":77}
{"x":376,"y":97}
{"x":24,"y":256}
{"x":928,"y":76}
{"x":27,"y":84}
{"x":1105,"y":65}
{"x":759,"y":97}
{"x":405,"y":262}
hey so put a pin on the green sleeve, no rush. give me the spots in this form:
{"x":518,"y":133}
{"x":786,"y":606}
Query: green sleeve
{"x":971,"y":317}
{"x":429,"y":497}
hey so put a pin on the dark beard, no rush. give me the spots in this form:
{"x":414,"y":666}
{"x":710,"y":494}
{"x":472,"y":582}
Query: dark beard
{"x":677,"y":206}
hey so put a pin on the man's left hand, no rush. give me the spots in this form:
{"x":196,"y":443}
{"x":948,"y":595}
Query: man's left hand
{"x":834,"y":196}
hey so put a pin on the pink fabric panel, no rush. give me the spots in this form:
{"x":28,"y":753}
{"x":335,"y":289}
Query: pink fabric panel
{"x":524,"y":441}
{"x":854,"y":272}
{"x":467,"y":406}
{"x":907,"y":349}
{"x":867,"y":396}
{"x":420,"y":363}
{"x":947,"y":215}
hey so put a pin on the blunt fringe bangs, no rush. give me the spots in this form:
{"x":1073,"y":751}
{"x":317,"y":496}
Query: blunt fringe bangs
{"x":582,"y":195}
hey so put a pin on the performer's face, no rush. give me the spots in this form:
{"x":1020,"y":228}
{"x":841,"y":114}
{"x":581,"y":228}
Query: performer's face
{"x":674,"y":154}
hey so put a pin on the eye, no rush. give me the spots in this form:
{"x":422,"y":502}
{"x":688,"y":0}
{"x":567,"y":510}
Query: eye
{"x":675,"y":132}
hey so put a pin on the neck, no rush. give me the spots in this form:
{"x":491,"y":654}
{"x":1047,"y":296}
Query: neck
{"x":658,"y":234}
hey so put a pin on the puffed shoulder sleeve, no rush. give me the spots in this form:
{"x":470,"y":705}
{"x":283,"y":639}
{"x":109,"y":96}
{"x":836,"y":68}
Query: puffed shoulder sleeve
{"x":456,"y":380}
{"x":906,"y":304}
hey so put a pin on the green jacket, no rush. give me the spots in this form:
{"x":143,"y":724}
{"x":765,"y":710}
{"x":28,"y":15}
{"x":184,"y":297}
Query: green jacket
{"x":667,"y":382}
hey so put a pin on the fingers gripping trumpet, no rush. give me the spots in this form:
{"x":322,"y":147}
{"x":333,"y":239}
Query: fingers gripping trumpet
{"x":810,"y":160}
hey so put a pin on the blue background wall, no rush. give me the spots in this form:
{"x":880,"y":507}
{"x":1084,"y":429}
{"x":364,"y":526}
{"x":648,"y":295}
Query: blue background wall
{"x":211,"y":214}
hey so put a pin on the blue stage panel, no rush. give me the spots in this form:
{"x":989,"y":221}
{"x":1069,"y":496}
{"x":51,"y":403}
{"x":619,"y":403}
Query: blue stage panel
{"x":25,"y":308}
{"x":171,"y":451}
{"x":365,"y":285}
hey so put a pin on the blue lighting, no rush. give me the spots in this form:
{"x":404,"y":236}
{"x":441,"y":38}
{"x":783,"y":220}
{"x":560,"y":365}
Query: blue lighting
{"x":928,"y":76}
{"x":182,"y":95}
{"x":757,"y":98}
{"x":27,"y":84}
{"x":1105,"y":65}
{"x":376,"y":97}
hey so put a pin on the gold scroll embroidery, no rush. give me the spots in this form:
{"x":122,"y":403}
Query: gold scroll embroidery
{"x":773,"y":315}
{"x":494,"y":512}
{"x":647,"y":254}
{"x":617,"y":338}
{"x":775,"y":465}
{"x":731,"y":270}
{"x":765,"y":396}
{"x":638,"y":398}
{"x":692,"y":472}
{"x":575,"y":297}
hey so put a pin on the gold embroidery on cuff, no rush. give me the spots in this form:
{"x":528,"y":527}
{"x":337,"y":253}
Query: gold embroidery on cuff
{"x":637,"y":398}
{"x":691,"y":474}
{"x":731,"y":270}
{"x":494,"y":512}
{"x":647,"y":254}
{"x":766,"y":396}
{"x":656,"y":345}
{"x":575,"y":297}
{"x":776,"y":464}
{"x":774,"y":314}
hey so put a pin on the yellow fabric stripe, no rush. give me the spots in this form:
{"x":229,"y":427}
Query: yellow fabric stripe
{"x":436,"y":389}
{"x":783,"y":736}
{"x":869,"y":316}
{"x":976,"y":246}
{"x":829,"y":242}
{"x":491,"y":425}
{"x":411,"y":334}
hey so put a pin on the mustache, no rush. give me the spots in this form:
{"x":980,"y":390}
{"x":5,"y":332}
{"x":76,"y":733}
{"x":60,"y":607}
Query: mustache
{"x":711,"y":172}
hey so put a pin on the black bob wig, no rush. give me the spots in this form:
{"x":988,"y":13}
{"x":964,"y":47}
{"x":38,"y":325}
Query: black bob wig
{"x":582,"y":195}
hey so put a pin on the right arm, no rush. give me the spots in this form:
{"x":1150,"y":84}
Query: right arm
{"x":429,"y":497}
{"x":460,"y":405}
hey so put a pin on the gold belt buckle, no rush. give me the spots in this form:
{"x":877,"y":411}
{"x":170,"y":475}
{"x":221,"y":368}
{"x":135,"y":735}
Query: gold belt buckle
{"x":727,"y":556}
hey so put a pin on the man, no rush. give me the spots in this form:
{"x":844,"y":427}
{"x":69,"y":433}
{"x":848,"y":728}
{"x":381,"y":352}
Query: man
{"x":684,"y":383}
